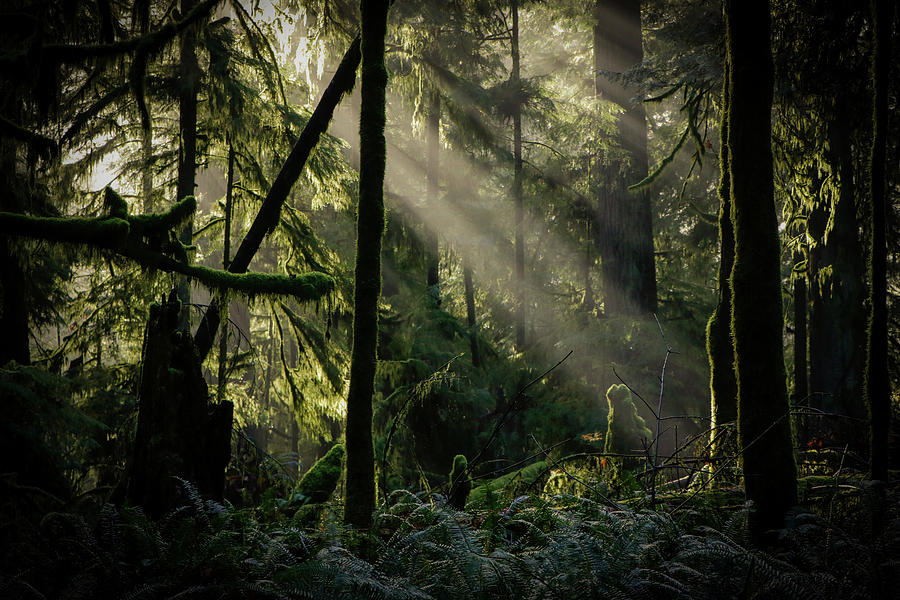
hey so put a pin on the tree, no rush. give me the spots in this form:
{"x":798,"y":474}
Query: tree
{"x":624,"y":226}
{"x":518,"y":198}
{"x":877,"y":383}
{"x":359,"y":500}
{"x":764,"y":427}
{"x":719,"y":346}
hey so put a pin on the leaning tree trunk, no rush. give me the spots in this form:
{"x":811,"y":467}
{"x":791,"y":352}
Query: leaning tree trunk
{"x":719,"y":348}
{"x":359,"y":499}
{"x":623,"y":231}
{"x":877,"y":383}
{"x":764,"y":426}
{"x":179,"y":433}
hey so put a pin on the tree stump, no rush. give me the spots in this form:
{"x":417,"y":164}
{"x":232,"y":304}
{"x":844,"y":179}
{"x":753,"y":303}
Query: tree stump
{"x":180,"y":434}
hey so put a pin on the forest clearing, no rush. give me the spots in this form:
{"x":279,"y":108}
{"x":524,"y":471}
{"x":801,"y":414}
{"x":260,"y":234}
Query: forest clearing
{"x":465,"y":299}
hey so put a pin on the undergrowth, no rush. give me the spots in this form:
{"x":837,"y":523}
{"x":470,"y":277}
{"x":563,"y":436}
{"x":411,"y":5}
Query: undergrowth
{"x":561,"y":546}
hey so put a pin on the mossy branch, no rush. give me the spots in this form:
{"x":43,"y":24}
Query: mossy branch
{"x":124,"y":234}
{"x":662,"y":165}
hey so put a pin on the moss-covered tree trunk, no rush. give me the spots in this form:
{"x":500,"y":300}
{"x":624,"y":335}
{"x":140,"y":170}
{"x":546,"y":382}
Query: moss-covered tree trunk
{"x":189,"y":85}
{"x":518,"y":196}
{"x":432,"y":248}
{"x":719,"y":346}
{"x":359,"y":499}
{"x":764,"y":426}
{"x":877,"y":383}
{"x":623,"y":229}
{"x":179,"y":433}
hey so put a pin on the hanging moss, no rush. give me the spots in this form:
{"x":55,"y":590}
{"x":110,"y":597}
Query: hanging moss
{"x":460,"y":483}
{"x":322,"y":478}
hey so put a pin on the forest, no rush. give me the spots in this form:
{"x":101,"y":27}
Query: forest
{"x":466,"y":299}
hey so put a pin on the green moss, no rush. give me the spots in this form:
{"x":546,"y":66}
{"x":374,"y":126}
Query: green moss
{"x":115,"y":204}
{"x":512,"y":484}
{"x":460,"y":483}
{"x":102,"y":232}
{"x":322,"y":478}
{"x":161,"y":222}
{"x":307,"y":286}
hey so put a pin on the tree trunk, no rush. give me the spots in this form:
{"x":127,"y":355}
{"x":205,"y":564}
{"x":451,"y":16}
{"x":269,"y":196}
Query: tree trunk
{"x":226,"y":256}
{"x":801,"y":378}
{"x":623,"y":222}
{"x":837,"y":315}
{"x":187,"y":147}
{"x":359,"y":500}
{"x":877,"y":383}
{"x":179,"y":434}
{"x":764,"y":426}
{"x":518,"y":198}
{"x":14,"y":307}
{"x":432,"y":249}
{"x":470,"y":313}
{"x":719,"y":347}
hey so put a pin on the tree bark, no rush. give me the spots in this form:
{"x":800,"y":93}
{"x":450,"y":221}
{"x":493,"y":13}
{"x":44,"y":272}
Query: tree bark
{"x":359,"y":500}
{"x":877,"y":382}
{"x":764,"y":427}
{"x":623,"y":226}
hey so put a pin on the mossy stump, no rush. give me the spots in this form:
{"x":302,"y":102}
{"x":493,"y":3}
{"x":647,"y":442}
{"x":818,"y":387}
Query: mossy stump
{"x":180,"y":435}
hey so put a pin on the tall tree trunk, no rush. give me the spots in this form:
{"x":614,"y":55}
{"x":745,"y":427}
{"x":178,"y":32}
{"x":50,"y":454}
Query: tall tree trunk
{"x":624,"y":221}
{"x":226,"y":257}
{"x":837,"y":317}
{"x":518,"y":197}
{"x":359,"y":500}
{"x":719,"y":347}
{"x":470,"y":313}
{"x":432,"y":249}
{"x":877,"y":383}
{"x":764,"y":426}
{"x":187,"y":147}
{"x":269,"y":213}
